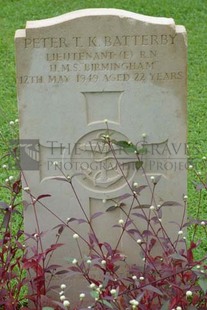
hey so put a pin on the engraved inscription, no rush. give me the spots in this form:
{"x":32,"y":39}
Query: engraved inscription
{"x":105,"y":41}
{"x":102,"y":105}
{"x":101,"y":59}
{"x":95,"y":160}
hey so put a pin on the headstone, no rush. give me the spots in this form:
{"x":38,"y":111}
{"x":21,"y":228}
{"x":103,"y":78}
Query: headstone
{"x":75,"y":71}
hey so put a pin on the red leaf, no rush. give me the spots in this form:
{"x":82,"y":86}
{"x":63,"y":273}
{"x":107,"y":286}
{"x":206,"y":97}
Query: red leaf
{"x":144,"y":206}
{"x":6,"y":219}
{"x":60,"y":230}
{"x":43,"y":196}
{"x":81,"y":221}
{"x":61,"y":272}
{"x":33,"y":264}
{"x":52,"y":267}
{"x":72,"y":219}
{"x":53,"y":247}
{"x":170,"y":204}
{"x":147,"y":233}
{"x":153,"y":289}
{"x":3,"y":205}
{"x":133,"y":232}
{"x":93,"y":239}
{"x":125,"y":196}
{"x":140,"y":215}
{"x":177,"y":256}
{"x":96,"y":215}
{"x":60,"y":178}
{"x":75,"y":269}
{"x":48,"y":302}
{"x":16,"y":187}
{"x":139,"y":189}
{"x":112,"y":208}
{"x":190,"y":251}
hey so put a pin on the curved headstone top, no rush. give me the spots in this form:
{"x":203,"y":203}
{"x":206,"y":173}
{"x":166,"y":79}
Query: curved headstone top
{"x":99,"y":12}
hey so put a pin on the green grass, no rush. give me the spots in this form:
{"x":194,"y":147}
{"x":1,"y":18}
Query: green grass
{"x":190,"y":13}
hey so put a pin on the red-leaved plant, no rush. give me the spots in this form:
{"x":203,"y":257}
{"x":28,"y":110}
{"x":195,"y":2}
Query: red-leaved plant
{"x":171,"y":278}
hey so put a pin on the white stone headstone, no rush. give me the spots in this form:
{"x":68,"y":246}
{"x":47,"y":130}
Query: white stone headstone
{"x":73,"y":72}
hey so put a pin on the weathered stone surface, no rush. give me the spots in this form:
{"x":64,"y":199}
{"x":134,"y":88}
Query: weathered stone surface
{"x":73,"y":72}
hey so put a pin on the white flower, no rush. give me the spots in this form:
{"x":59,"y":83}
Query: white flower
{"x":139,"y":241}
{"x":92,"y":285}
{"x":7,"y":180}
{"x":203,"y":223}
{"x":189,"y":293}
{"x":185,"y":197}
{"x":190,"y":167}
{"x":26,"y":189}
{"x":129,"y":142}
{"x":35,"y":236}
{"x":180,"y":232}
{"x":88,"y":261}
{"x":74,"y":261}
{"x":11,"y":123}
{"x":135,"y":184}
{"x":113,"y":291}
{"x":144,"y":135}
{"x":121,"y":222}
{"x":82,"y":295}
{"x":198,"y":266}
{"x":16,"y":120}
{"x":152,"y":178}
{"x":61,"y":293}
{"x":4,"y":166}
{"x":103,"y":262}
{"x":152,"y":208}
{"x":62,"y":297}
{"x":11,"y":177}
{"x":134,"y":302}
{"x":55,"y":163}
{"x":178,"y":308}
{"x":199,"y":173}
{"x":105,"y":121}
{"x":66,"y":303}
{"x":204,"y":157}
{"x":62,"y":286}
{"x":141,"y":278}
{"x":75,"y":236}
{"x":134,"y":277}
{"x":104,"y":201}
